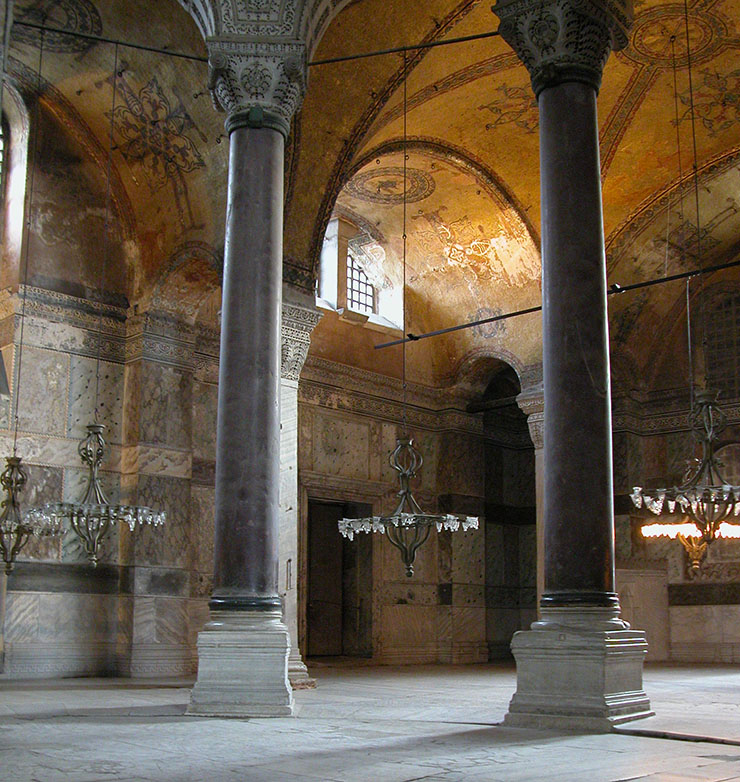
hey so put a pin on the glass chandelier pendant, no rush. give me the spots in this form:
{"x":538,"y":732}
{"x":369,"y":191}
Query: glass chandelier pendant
{"x":93,"y":516}
{"x":408,"y":527}
{"x":16,"y":528}
{"x":709,"y":502}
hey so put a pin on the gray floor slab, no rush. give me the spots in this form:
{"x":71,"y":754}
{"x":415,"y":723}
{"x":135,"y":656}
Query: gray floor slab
{"x":362,"y":724}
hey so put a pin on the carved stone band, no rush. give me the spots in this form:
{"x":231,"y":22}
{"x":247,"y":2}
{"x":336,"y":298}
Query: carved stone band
{"x":257,"y":84}
{"x":564,"y":40}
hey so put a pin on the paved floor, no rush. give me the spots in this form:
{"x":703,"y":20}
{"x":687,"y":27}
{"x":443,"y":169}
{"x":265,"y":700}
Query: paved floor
{"x":362,"y":724}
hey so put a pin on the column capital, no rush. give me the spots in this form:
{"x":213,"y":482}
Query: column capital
{"x":532,"y":403}
{"x":564,"y":40}
{"x":259,"y":84}
{"x":299,"y":320}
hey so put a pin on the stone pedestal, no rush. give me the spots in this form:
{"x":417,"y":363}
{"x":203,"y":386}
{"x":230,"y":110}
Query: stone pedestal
{"x":579,"y":669}
{"x":242,"y":666}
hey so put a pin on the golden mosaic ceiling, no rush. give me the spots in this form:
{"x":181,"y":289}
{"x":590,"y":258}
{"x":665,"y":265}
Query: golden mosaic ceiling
{"x":470,"y":113}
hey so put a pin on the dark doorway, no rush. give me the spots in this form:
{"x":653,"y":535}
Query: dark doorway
{"x":340,"y":576}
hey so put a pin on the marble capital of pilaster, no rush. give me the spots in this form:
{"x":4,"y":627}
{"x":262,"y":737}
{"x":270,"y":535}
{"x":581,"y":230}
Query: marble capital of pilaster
{"x":259,"y":84}
{"x":298,"y":323}
{"x":564,"y":40}
{"x":532,"y":403}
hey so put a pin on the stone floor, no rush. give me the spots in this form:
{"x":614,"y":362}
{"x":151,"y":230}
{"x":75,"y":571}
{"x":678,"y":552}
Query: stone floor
{"x":363,"y":724}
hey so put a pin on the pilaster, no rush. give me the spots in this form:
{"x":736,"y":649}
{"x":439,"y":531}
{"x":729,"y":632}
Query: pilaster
{"x":300,"y":317}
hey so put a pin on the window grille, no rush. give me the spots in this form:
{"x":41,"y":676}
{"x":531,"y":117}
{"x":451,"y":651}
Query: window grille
{"x":723,"y":347}
{"x":360,"y":292}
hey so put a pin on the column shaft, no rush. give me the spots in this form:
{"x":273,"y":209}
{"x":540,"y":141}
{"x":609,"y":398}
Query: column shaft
{"x":578,"y":513}
{"x":248,"y":433}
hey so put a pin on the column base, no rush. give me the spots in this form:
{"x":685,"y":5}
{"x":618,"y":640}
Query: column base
{"x":243,"y":666}
{"x":298,"y":675}
{"x":578,"y":669}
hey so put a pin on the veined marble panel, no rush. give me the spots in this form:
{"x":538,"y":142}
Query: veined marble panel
{"x":469,"y":624}
{"x":65,"y":617}
{"x":469,"y":556}
{"x":202,"y":515}
{"x":44,"y":387}
{"x":168,"y":545}
{"x":21,"y":617}
{"x":166,"y":406}
{"x":467,"y":595}
{"x":205,"y":405}
{"x":409,"y":627}
{"x":151,"y":460}
{"x":341,"y":446}
{"x":82,"y":396}
{"x":44,"y":485}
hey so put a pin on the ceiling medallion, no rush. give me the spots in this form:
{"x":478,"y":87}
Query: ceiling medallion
{"x":73,"y":16}
{"x":387,"y":185}
{"x":650,"y":41}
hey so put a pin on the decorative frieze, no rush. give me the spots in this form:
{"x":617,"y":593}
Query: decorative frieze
{"x":564,"y":40}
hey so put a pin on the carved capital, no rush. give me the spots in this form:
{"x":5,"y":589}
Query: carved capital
{"x":298,"y":323}
{"x":258,"y":84}
{"x":532,"y":403}
{"x":564,"y":40}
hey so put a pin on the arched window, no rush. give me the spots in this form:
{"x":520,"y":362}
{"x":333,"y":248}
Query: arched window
{"x":352,"y":281}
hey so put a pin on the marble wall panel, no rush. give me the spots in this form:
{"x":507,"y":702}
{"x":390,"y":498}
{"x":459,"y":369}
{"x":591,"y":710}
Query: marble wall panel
{"x":518,"y":488}
{"x":166,"y":406}
{"x":21,"y":617}
{"x":198,"y":615}
{"x":495,"y":572}
{"x":171,"y":620}
{"x":341,"y":446}
{"x":404,"y":594}
{"x":82,"y":394}
{"x":65,"y":618}
{"x":205,"y":406}
{"x":469,"y":556}
{"x":407,"y":627}
{"x":461,"y":468}
{"x":528,"y":556}
{"x":131,"y":402}
{"x":469,"y":624}
{"x":44,"y":389}
{"x":501,"y":624}
{"x":202,"y":515}
{"x":44,"y":485}
{"x":643,"y":596}
{"x":144,"y":620}
{"x":168,"y":545}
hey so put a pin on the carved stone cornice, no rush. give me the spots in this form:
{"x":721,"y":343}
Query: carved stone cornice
{"x":564,"y":40}
{"x":298,"y":323}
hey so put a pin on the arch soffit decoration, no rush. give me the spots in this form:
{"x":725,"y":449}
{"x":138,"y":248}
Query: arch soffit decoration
{"x":65,"y":114}
{"x":189,"y":277}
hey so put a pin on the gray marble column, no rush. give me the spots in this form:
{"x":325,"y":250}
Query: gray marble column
{"x":243,"y":651}
{"x":580,"y":665}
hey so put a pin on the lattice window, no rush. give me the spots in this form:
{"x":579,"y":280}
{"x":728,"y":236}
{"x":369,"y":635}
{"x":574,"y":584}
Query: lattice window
{"x":360,"y":292}
{"x":723,"y":347}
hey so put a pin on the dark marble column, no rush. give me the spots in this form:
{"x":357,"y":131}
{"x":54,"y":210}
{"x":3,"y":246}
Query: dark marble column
{"x":578,"y":505}
{"x":565,"y":45}
{"x":248,"y":433}
{"x":243,"y":651}
{"x":580,"y":666}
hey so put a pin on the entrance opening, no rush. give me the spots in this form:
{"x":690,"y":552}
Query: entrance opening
{"x":340,"y":574}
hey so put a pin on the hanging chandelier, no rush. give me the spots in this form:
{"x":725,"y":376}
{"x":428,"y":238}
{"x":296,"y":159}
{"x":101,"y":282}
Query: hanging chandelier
{"x":709,"y":503}
{"x":93,"y":516}
{"x":408,"y":527}
{"x":16,"y":527}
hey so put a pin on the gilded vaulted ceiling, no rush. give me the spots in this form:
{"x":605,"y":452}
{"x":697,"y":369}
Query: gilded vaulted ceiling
{"x":472,"y":134}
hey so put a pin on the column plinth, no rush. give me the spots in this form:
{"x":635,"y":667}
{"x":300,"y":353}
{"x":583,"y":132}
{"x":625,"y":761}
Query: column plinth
{"x":580,"y":666}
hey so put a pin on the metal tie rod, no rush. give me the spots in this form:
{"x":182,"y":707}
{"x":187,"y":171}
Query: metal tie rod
{"x":613,"y":289}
